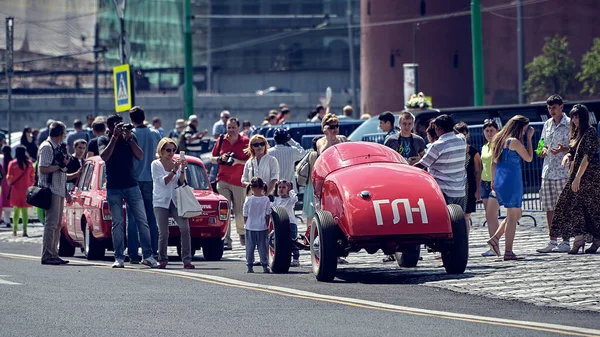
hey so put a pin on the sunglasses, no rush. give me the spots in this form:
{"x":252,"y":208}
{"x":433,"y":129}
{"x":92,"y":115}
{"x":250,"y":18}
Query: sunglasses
{"x":258,"y":144}
{"x":333,"y":126}
{"x":169,"y":150}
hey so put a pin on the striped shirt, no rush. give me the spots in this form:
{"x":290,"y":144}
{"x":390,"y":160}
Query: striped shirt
{"x":46,"y":159}
{"x":287,"y":156}
{"x":446,"y":162}
{"x":192,"y":145}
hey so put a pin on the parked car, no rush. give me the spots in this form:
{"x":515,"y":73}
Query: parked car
{"x":87,"y":220}
{"x":398,"y":209}
{"x":273,"y":90}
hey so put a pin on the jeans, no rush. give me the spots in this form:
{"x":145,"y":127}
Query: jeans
{"x":294,"y":231}
{"x":134,"y":202}
{"x":132,"y":231}
{"x":257,"y":239}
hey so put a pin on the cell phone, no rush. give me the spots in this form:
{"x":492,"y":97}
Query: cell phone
{"x":182,"y":155}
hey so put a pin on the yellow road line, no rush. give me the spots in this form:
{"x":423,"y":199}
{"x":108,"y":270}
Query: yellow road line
{"x":352,"y":302}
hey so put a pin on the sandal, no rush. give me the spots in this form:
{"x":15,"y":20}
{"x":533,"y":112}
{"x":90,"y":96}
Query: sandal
{"x":510,"y":256}
{"x":494,"y":244}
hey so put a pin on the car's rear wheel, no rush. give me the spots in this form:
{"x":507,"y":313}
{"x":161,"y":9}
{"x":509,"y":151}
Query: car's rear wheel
{"x":94,"y":249}
{"x":323,"y":246}
{"x":65,"y":248}
{"x":410,"y":257}
{"x":280,"y":241}
{"x":456,"y":256}
{"x":212,"y":249}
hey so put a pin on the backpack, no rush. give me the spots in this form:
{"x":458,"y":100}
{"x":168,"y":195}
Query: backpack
{"x":303,"y":169}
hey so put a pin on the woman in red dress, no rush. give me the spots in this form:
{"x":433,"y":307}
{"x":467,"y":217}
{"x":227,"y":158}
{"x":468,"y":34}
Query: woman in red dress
{"x":20,"y":176}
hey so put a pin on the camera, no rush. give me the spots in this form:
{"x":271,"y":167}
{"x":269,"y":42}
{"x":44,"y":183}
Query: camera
{"x":128,"y":127}
{"x":60,"y":154}
{"x":230,"y":159}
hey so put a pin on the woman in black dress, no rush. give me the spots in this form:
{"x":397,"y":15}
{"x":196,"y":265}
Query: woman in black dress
{"x":28,"y":141}
{"x":473,"y":168}
{"x":577,"y":211}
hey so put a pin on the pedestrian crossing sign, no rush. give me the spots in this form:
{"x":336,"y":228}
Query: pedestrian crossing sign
{"x":122,"y":86}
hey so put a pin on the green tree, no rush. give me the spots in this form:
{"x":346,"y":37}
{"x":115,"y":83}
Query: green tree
{"x":552,"y":72}
{"x":589,"y":75}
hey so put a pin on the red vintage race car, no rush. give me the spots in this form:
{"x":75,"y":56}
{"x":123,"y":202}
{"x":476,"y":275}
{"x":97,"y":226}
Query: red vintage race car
{"x":367,"y":197}
{"x":87,"y":221}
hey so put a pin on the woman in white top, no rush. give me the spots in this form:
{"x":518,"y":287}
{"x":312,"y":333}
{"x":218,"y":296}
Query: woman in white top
{"x":167,"y":175}
{"x":260,"y":164}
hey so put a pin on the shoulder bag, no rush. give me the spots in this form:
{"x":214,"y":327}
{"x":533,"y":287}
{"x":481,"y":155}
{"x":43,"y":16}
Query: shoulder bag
{"x":187,"y":205}
{"x":41,"y":197}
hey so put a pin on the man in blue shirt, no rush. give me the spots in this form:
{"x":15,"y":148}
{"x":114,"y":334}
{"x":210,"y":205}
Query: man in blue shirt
{"x":147,"y":140}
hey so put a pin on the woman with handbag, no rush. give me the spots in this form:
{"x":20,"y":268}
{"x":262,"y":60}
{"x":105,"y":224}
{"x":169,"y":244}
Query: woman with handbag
{"x":20,"y":176}
{"x":167,"y":175}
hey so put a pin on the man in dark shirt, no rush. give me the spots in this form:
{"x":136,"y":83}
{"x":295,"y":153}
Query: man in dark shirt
{"x":408,"y":144}
{"x":76,"y":162}
{"x":98,"y":130}
{"x":118,"y":149}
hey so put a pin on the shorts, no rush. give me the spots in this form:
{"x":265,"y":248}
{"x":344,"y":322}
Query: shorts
{"x":460,"y":201}
{"x":485,"y":188}
{"x":550,"y":191}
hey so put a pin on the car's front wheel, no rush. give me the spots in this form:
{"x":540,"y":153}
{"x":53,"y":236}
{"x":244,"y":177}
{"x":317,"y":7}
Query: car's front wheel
{"x":65,"y":248}
{"x":323,"y":246}
{"x":456,"y":256}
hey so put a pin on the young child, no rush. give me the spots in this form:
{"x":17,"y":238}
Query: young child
{"x":286,"y":198}
{"x":257,"y":211}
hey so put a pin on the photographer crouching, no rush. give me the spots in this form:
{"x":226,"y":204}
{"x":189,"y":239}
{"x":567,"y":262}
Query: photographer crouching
{"x":229,"y":154}
{"x":53,"y":160}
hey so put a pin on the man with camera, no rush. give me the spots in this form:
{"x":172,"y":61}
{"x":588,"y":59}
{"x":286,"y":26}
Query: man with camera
{"x":53,"y":160}
{"x":229,"y":154}
{"x":118,"y":151}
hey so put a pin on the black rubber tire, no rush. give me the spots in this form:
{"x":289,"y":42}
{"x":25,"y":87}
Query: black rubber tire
{"x":410,"y":257}
{"x":280,"y":241}
{"x":325,"y":229}
{"x":178,"y":248}
{"x":456,"y":256}
{"x":212,"y":249}
{"x":65,"y":249}
{"x":94,"y":249}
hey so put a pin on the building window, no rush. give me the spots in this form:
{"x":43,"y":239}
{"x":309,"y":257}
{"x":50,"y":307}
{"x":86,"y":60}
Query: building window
{"x":280,"y":9}
{"x":250,"y":10}
{"x":220,"y":9}
{"x":312,"y":8}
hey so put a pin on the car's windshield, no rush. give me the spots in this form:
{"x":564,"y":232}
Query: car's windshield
{"x":195,"y":175}
{"x":369,"y":126}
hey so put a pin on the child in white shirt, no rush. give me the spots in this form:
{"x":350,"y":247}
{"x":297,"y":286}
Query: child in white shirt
{"x":257,"y":212}
{"x":287,"y":198}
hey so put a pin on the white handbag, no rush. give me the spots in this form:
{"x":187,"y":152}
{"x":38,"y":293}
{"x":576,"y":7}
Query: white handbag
{"x":187,"y":205}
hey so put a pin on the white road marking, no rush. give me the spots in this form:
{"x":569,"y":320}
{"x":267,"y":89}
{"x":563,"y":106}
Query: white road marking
{"x":354,"y":301}
{"x":8,"y":282}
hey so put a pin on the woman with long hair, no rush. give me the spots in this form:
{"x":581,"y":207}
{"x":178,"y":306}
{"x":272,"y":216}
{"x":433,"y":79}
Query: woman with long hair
{"x":490,"y":129}
{"x":20,"y":176}
{"x":28,"y":141}
{"x":577,"y":211}
{"x":507,"y":182}
{"x":260,"y":164}
{"x":4,"y":203}
{"x":167,"y":175}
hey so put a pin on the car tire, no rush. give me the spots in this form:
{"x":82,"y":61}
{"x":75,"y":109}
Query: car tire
{"x":65,"y":249}
{"x":178,"y":248}
{"x":456,"y":256}
{"x":280,"y":241}
{"x":93,"y":248}
{"x":323,"y":246}
{"x":410,"y":257}
{"x":212,"y":249}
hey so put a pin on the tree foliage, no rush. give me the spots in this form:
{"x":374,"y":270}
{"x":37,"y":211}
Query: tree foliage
{"x":589,"y":75}
{"x":552,"y":72}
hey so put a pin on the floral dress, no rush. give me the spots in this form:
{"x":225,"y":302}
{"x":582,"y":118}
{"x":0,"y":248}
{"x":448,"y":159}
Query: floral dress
{"x":579,"y":213}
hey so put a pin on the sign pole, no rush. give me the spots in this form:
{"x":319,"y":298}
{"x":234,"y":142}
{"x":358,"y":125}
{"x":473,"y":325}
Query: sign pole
{"x":188,"y":72}
{"x":9,"y":70}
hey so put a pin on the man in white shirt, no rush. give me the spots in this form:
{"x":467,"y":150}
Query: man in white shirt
{"x":287,"y":151}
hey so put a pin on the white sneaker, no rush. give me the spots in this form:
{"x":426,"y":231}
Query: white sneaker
{"x":150,"y":262}
{"x":549,"y":248}
{"x":118,"y":264}
{"x":488,"y":253}
{"x":295,"y":263}
{"x":562,"y":247}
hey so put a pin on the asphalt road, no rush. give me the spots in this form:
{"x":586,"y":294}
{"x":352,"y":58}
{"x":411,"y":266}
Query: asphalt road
{"x":219,"y":299}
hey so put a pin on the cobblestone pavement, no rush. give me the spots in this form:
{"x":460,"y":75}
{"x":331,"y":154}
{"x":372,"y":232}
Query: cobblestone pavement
{"x":558,"y":280}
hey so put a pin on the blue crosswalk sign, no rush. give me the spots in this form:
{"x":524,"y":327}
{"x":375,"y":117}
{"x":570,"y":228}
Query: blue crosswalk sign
{"x":122,"y":88}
